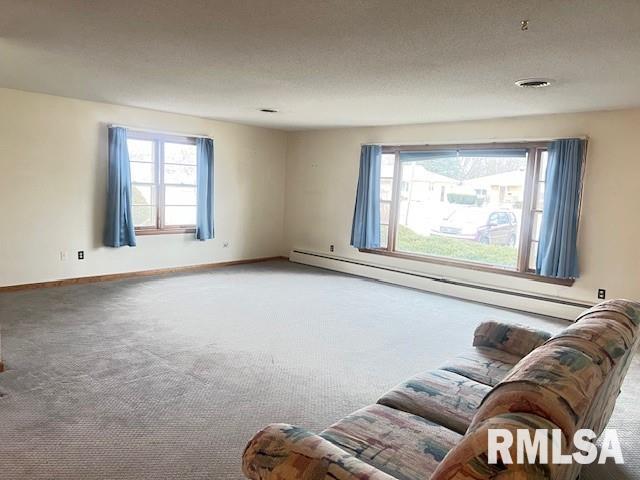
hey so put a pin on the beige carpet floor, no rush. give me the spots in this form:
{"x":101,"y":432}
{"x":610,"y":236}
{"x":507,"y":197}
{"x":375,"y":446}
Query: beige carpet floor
{"x":168,"y":377}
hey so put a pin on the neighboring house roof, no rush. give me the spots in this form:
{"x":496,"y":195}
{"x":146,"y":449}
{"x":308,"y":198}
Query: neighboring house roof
{"x":424,"y":175}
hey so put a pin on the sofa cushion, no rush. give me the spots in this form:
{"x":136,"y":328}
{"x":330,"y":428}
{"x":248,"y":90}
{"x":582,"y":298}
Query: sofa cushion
{"x":516,"y":339}
{"x":482,"y":364}
{"x":443,"y":397}
{"x":469,"y":460}
{"x":554,"y":382}
{"x":402,"y":445}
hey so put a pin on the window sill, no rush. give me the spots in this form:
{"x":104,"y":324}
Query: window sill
{"x":164,"y":231}
{"x":471,"y":266}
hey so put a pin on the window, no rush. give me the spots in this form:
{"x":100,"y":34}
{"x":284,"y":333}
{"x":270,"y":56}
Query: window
{"x":477,"y":206}
{"x":163,"y":182}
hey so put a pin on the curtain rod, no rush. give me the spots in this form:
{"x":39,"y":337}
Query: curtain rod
{"x":149,"y":130}
{"x":472,"y":142}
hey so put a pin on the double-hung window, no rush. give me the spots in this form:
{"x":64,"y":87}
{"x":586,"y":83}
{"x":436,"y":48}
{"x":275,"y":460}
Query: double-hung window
{"x":476,"y":206}
{"x":163,"y":181}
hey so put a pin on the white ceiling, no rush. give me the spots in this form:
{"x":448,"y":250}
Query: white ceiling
{"x":326,"y":63}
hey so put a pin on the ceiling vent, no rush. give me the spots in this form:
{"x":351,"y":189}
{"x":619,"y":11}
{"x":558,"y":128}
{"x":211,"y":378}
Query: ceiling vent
{"x":533,"y":83}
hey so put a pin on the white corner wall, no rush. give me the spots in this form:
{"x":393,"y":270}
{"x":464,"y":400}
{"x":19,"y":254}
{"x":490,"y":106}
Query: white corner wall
{"x":322,"y":171}
{"x":53,"y":179}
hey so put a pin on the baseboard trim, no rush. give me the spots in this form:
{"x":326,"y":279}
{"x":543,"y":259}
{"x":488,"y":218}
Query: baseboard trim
{"x":141,"y":273}
{"x":517,"y":300}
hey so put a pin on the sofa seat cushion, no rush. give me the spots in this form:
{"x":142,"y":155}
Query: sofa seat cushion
{"x":405,"y":446}
{"x":443,"y":397}
{"x":482,"y":364}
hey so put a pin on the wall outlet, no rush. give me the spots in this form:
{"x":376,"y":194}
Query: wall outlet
{"x":80,"y":254}
{"x":225,"y":244}
{"x":63,"y":256}
{"x":602,"y":293}
{"x":331,"y":248}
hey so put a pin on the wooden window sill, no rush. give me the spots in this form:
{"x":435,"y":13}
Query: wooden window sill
{"x":164,"y":231}
{"x":471,"y":266}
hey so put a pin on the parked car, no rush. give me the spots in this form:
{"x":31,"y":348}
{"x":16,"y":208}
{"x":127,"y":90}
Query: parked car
{"x":495,"y":227}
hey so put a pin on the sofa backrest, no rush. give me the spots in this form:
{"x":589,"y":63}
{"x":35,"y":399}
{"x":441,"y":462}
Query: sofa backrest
{"x":571,"y":382}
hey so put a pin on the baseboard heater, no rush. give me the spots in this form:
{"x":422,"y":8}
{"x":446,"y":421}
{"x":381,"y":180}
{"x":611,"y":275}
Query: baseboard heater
{"x":529,"y":296}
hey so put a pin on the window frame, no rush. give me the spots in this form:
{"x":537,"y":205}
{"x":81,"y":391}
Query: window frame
{"x":158,"y":140}
{"x":532,"y":182}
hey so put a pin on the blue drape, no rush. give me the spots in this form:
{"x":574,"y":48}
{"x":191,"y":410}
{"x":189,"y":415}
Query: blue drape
{"x":365,"y":232}
{"x":119,"y":229}
{"x":557,"y":250}
{"x":204,"y":217}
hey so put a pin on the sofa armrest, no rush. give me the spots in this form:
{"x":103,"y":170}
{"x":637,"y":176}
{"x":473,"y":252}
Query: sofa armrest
{"x":470,"y":458}
{"x":282,"y":451}
{"x":516,"y":339}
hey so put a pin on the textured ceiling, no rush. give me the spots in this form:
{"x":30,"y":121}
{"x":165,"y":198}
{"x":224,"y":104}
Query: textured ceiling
{"x":326,"y":63}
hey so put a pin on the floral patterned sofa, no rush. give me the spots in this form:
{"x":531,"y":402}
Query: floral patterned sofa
{"x":434,"y":426}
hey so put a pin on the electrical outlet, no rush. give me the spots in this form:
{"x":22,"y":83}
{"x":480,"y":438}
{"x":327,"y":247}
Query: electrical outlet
{"x":63,"y":256}
{"x":80,"y":254}
{"x":602,"y":293}
{"x":331,"y":248}
{"x":225,"y":244}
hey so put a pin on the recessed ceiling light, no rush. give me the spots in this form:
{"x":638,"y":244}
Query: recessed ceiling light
{"x":269,"y":110}
{"x":533,"y":83}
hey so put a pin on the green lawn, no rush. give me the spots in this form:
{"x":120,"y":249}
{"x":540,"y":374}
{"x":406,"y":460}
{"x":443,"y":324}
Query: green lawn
{"x":410,"y":241}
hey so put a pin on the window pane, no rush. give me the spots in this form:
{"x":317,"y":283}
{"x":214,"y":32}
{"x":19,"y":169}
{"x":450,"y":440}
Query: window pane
{"x":533,"y":254}
{"x":387,"y":163}
{"x":180,"y":196}
{"x":140,"y":150}
{"x":386,"y":194}
{"x":143,"y":194}
{"x":463,"y":208}
{"x":540,"y":196}
{"x":142,"y":172}
{"x":385,"y":209}
{"x":180,"y":215}
{"x":179,"y":153}
{"x":180,"y":174}
{"x":143,"y":216}
{"x":386,"y":186}
{"x":537,"y":223}
{"x":384,"y":235}
{"x":542,"y":175}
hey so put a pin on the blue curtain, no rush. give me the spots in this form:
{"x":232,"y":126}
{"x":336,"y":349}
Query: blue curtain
{"x":365,"y":232}
{"x":204,"y":217}
{"x":119,"y":229}
{"x":557,"y":250}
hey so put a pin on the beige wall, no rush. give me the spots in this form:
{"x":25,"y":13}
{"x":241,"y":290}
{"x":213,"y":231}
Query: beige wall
{"x":53,"y":167}
{"x":322,"y":170}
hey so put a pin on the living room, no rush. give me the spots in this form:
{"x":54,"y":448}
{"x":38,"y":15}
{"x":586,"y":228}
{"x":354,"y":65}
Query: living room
{"x":315,"y":240}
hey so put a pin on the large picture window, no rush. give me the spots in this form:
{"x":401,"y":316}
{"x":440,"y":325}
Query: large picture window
{"x":163,"y":182}
{"x":478,"y":206}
